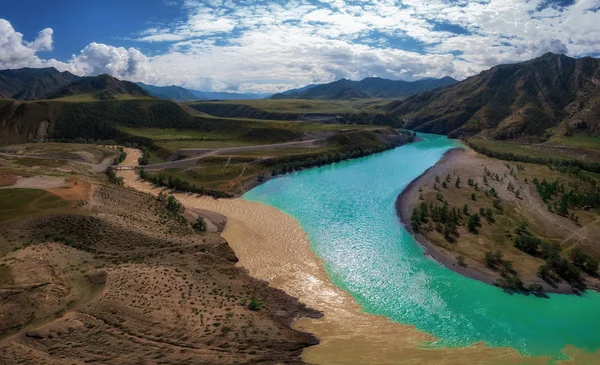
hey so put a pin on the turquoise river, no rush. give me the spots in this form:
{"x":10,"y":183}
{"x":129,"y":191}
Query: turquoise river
{"x":347,"y":210}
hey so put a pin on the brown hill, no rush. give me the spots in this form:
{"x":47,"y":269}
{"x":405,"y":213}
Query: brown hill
{"x":102,"y":87}
{"x":522,"y":100}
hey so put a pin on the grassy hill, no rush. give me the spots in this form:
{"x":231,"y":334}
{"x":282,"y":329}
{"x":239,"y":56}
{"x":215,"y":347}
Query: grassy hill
{"x":356,"y":111}
{"x":102,"y":87}
{"x":552,"y":94}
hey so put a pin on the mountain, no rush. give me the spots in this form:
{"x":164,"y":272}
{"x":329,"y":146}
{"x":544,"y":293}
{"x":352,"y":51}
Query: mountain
{"x":168,"y":92}
{"x":512,"y":101}
{"x":371,"y":87}
{"x":32,"y":83}
{"x":299,"y":90}
{"x":102,"y":87}
{"x":218,"y":95}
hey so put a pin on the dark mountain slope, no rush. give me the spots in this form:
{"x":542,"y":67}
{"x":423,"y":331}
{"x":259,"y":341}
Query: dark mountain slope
{"x":32,"y":83}
{"x":102,"y":87}
{"x":371,"y":87}
{"x":168,"y":92}
{"x":512,"y":101}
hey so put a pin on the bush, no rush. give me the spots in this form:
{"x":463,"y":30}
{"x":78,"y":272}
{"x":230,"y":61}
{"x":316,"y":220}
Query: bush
{"x":255,"y":304}
{"x":528,"y":244}
{"x":200,"y":225}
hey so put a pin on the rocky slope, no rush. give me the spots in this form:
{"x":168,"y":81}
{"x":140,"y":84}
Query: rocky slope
{"x":522,"y":100}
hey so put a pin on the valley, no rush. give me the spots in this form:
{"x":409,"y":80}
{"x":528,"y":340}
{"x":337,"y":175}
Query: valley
{"x":117,"y":203}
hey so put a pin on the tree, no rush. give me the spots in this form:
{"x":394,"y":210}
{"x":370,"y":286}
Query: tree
{"x":578,"y":257}
{"x":543,"y":271}
{"x":415,"y":219}
{"x":473,"y":196}
{"x":493,"y":258}
{"x":473,"y":222}
{"x":457,"y":182}
{"x":173,"y":204}
{"x":535,"y":288}
{"x":528,"y":244}
{"x":199,"y":225}
{"x":466,"y":209}
{"x":460,"y":259}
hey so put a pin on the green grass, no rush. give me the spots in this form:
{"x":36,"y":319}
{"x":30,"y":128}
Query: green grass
{"x":15,"y":203}
{"x":578,"y":140}
{"x":253,"y":133}
{"x":306,"y":106}
{"x":556,"y":152}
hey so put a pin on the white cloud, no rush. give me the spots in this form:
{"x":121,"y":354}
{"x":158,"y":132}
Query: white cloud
{"x":270,"y":46}
{"x":16,"y":53}
{"x":96,"y":58}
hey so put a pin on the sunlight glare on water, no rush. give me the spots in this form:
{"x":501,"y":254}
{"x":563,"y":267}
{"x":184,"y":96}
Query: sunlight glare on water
{"x":347,"y":210}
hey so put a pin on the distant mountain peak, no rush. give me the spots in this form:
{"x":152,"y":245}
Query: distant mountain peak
{"x":370,"y":87}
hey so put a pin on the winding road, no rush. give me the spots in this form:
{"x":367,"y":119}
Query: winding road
{"x":190,"y":161}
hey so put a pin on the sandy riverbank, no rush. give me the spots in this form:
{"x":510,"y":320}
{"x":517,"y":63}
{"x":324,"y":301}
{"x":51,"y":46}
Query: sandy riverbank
{"x":272,"y":246}
{"x":406,"y":201}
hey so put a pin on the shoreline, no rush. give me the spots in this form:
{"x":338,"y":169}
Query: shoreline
{"x":272,"y":246}
{"x":404,"y":204}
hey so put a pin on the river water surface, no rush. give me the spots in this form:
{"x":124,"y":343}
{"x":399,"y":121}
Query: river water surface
{"x":347,"y":210}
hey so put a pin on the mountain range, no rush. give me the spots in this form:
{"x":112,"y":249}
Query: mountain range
{"x":512,"y":101}
{"x":371,"y":87}
{"x":49,"y":83}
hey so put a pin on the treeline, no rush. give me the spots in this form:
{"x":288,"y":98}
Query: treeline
{"x":181,"y":185}
{"x":293,"y":163}
{"x":144,"y":158}
{"x":566,"y":163}
{"x":112,"y":177}
{"x":121,"y":157}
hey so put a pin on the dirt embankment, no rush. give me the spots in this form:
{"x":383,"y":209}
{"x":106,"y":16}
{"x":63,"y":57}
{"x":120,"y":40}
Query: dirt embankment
{"x":498,"y":234}
{"x":119,"y":279}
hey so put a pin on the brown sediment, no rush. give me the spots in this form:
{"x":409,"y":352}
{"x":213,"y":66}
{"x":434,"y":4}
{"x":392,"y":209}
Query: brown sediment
{"x":272,"y":246}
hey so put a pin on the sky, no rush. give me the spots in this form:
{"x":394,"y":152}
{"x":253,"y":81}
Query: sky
{"x":271,"y":46}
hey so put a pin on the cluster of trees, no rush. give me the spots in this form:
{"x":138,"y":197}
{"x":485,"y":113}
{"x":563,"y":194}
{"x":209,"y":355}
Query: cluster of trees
{"x":567,"y":164}
{"x":508,"y":276}
{"x":112,"y":177}
{"x":446,"y":220}
{"x":569,"y":271}
{"x":144,"y":158}
{"x":172,"y":204}
{"x":181,"y":185}
{"x":293,"y":163}
{"x":121,"y":157}
{"x":568,"y":199}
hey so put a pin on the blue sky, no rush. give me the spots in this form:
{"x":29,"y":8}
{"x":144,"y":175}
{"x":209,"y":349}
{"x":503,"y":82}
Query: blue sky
{"x":269,"y":46}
